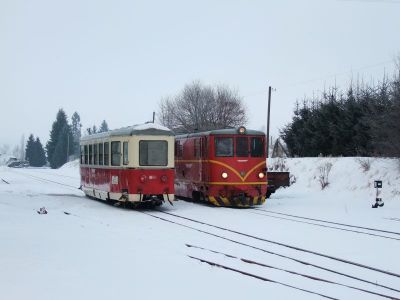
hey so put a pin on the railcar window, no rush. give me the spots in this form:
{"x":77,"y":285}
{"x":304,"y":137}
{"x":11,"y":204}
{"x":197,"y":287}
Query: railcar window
{"x":95,"y":160}
{"x":242,"y":147}
{"x":90,"y":154}
{"x":106,"y":153}
{"x":86,"y":155}
{"x":82,"y":155}
{"x":115,"y":153}
{"x":257,"y":147}
{"x":101,"y":154}
{"x":153,"y":153}
{"x":125,"y":153}
{"x":223,"y":146}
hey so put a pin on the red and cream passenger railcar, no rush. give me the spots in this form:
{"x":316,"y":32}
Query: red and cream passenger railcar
{"x":133,"y":164}
{"x":225,"y":167}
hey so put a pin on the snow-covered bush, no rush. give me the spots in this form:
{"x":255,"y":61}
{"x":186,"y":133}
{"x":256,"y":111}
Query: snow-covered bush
{"x":324,"y":171}
{"x":365,"y":163}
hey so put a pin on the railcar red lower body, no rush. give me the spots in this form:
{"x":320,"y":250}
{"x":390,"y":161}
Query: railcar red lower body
{"x":129,"y":185}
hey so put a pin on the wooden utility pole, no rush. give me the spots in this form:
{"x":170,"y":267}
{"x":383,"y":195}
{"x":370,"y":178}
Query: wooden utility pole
{"x":269,"y":109}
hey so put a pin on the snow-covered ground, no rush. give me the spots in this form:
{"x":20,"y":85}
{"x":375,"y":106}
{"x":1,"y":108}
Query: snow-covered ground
{"x":85,"y":249}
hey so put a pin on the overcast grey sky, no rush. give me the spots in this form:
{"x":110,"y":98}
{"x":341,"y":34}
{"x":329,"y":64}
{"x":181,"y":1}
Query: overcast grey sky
{"x":115,"y":60}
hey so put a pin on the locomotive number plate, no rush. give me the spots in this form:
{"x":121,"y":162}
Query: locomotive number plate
{"x":114,"y":180}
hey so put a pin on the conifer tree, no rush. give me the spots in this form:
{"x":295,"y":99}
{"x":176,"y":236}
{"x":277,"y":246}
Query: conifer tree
{"x":60,"y":144}
{"x":40,"y":156}
{"x":76,"y":132}
{"x":29,"y":150}
{"x":34,"y":152}
{"x":103,"y":126}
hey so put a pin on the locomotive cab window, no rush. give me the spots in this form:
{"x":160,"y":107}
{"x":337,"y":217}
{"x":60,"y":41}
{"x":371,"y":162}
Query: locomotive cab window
{"x":242,"y":147}
{"x":224,"y":146}
{"x":257,"y":147}
{"x":153,"y":153}
{"x":115,"y":153}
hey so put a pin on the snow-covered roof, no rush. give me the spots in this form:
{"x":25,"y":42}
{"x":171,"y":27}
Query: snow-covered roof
{"x":139,"y":129}
{"x":227,"y":131}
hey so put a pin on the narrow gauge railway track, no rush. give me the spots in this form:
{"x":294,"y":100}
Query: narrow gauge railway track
{"x":46,"y":180}
{"x":327,"y":226}
{"x":393,"y":219}
{"x":287,"y":245}
{"x":214,"y":264}
{"x":252,"y":262}
{"x":55,"y":174}
{"x":329,"y":222}
{"x":303,"y":262}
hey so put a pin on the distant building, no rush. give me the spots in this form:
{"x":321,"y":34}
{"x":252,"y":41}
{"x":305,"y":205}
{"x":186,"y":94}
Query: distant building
{"x":279,"y":150}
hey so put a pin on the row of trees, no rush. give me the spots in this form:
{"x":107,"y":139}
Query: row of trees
{"x":63,"y":144}
{"x":34,"y":152}
{"x":201,"y":107}
{"x":362,"y":121}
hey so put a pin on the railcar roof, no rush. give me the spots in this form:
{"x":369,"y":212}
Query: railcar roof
{"x":221,"y":132}
{"x":140,"y":129}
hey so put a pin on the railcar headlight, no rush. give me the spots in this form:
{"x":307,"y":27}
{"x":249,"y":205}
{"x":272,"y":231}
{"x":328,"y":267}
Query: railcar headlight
{"x":224,"y":175}
{"x":143,"y":178}
{"x":164,"y":178}
{"x":261,"y":175}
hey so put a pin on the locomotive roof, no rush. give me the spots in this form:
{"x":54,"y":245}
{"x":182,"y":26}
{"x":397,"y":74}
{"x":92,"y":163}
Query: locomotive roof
{"x":221,"y":132}
{"x":139,"y":129}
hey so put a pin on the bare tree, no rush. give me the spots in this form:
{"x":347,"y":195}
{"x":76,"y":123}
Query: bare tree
{"x":200,"y":107}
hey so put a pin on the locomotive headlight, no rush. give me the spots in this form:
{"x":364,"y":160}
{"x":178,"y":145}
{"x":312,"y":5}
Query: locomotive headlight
{"x":242,"y":130}
{"x":261,"y":175}
{"x":224,"y":175}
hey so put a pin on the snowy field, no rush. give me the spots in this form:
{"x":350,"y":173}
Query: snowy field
{"x":86,"y":249}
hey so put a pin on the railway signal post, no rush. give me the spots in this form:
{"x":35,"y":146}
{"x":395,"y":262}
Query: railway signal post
{"x":378,"y":201}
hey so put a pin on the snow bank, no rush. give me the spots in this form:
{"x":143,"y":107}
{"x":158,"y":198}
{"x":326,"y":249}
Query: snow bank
{"x":348,"y":177}
{"x":71,"y":165}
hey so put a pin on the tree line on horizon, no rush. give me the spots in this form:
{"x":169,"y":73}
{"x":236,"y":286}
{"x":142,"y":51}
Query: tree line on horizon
{"x":364,"y":120}
{"x":63,"y":143}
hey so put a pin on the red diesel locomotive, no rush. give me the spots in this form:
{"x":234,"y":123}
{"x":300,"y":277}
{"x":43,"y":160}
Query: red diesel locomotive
{"x":225,"y":167}
{"x":133,"y":164}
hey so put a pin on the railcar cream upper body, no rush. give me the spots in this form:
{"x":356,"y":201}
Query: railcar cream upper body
{"x":120,"y":148}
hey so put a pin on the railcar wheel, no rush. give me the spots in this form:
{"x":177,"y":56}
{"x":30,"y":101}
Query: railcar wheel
{"x":196,"y":196}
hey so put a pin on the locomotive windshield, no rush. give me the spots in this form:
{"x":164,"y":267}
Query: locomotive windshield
{"x":242,"y":147}
{"x":256,"y":147}
{"x":224,"y":146}
{"x":153,"y":153}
